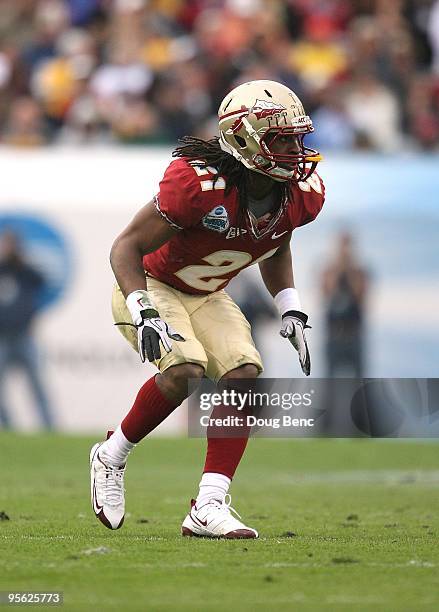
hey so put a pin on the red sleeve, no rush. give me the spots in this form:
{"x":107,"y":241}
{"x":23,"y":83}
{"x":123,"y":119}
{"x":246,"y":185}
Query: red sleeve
{"x":309,"y":197}
{"x":179,"y":200}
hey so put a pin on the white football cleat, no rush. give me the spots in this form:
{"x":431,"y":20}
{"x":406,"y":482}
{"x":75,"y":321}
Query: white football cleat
{"x":107,"y":489}
{"x":214,"y":520}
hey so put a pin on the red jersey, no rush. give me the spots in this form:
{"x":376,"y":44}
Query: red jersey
{"x":214,"y":243}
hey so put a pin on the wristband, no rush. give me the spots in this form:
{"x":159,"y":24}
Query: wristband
{"x":136,"y":302}
{"x":287,"y":299}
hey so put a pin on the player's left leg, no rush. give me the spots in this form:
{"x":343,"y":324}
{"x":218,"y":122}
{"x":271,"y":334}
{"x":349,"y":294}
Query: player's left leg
{"x":225,"y":334}
{"x":211,"y":513}
{"x":224,"y":453}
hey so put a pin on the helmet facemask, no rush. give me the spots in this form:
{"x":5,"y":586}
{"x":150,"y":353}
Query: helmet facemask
{"x":285,"y":166}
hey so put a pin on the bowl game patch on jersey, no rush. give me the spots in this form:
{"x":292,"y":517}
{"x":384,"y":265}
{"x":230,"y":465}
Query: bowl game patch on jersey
{"x":217,"y":219}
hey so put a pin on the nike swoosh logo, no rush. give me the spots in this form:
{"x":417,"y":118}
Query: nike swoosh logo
{"x":96,"y":506}
{"x":197,"y":520}
{"x":275,"y":236}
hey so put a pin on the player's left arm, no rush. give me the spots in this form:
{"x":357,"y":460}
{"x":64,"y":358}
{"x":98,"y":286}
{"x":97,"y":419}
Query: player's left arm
{"x":278,"y":276}
{"x":277,"y":270}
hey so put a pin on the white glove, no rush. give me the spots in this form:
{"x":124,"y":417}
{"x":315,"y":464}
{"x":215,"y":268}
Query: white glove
{"x":151,"y":329}
{"x":293,"y":328}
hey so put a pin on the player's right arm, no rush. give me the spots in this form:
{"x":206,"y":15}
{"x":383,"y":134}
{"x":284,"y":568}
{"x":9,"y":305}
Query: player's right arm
{"x":177,"y":206}
{"x":147,"y":232}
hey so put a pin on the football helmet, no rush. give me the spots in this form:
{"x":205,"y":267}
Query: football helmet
{"x":253,"y":116}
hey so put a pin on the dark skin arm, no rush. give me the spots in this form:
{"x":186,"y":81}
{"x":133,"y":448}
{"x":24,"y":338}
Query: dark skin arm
{"x":147,"y":232}
{"x":277,"y":270}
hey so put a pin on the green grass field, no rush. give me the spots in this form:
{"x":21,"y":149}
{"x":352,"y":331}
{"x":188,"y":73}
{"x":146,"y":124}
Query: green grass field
{"x":344,"y":525}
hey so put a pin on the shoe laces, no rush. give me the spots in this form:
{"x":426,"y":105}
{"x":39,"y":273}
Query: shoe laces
{"x":113,"y":484}
{"x":225,"y":505}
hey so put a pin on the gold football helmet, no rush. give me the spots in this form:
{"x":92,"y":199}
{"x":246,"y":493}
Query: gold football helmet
{"x":253,"y":116}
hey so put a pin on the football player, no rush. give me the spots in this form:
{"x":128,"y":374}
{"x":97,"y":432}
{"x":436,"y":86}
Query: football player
{"x":223,"y":204}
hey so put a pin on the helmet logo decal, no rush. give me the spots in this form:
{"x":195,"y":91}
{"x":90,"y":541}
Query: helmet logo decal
{"x":265,"y":105}
{"x":262,"y":109}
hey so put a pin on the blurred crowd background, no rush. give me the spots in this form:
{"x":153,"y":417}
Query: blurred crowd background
{"x":150,"y":71}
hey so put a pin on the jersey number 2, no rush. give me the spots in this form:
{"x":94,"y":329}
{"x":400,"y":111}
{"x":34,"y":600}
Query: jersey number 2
{"x":219,"y":263}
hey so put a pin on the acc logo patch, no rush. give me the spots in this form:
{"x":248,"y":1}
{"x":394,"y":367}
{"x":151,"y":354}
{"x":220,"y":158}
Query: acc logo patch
{"x":217,"y":219}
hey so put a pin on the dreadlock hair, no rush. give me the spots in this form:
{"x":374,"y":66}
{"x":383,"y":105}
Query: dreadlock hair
{"x":236,"y":174}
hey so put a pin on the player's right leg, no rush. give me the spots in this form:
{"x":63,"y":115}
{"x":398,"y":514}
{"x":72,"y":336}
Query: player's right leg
{"x":107,"y":488}
{"x":155,"y":401}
